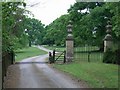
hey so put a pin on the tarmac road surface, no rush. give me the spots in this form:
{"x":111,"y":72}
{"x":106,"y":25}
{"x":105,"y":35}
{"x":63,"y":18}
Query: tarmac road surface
{"x":36,"y":73}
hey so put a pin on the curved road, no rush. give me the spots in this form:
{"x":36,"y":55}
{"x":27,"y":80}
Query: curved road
{"x":35,"y":73}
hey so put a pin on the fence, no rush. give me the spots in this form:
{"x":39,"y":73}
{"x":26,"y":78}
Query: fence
{"x":8,"y":58}
{"x":85,"y":53}
{"x":88,"y":53}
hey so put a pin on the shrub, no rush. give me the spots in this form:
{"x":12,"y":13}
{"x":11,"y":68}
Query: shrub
{"x":117,"y":56}
{"x":111,"y":56}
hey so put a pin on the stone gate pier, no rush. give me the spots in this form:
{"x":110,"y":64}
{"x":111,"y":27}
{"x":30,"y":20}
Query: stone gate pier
{"x":69,"y":43}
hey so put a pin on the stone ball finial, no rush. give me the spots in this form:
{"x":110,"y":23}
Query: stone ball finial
{"x":69,"y":26}
{"x":108,"y":27}
{"x":108,"y":37}
{"x":108,"y":22}
{"x":70,"y":22}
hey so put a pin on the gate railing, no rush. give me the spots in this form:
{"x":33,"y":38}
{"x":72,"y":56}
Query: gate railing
{"x":60,"y":57}
{"x":88,"y":54}
{"x":57,"y":56}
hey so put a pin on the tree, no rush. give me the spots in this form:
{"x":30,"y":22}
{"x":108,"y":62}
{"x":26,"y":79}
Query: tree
{"x":35,"y":30}
{"x":13,"y":15}
{"x":114,"y":8}
{"x":56,"y":31}
{"x":89,"y":26}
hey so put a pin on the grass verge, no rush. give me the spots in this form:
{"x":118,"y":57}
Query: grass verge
{"x":96,"y":75}
{"x":28,"y":52}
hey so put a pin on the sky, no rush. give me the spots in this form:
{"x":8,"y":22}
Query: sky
{"x":48,"y":10}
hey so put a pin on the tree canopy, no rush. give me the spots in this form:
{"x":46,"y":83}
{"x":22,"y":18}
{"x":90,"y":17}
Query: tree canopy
{"x":56,"y":31}
{"x":12,"y":25}
{"x":15,"y":21}
{"x":89,"y":23}
{"x":35,"y":30}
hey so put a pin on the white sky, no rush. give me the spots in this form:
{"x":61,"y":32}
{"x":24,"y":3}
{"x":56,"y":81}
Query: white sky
{"x":48,"y":10}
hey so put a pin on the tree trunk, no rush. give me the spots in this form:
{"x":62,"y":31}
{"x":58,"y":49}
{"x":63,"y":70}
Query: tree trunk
{"x":101,"y":47}
{"x":29,"y":43}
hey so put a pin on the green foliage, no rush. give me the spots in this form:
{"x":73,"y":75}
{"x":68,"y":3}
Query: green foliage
{"x":56,"y":31}
{"x":111,"y":56}
{"x":35,"y":30}
{"x":12,"y":25}
{"x":89,"y":27}
{"x":114,"y":8}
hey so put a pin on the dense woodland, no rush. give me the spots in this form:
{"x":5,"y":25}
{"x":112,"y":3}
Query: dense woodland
{"x":89,"y":20}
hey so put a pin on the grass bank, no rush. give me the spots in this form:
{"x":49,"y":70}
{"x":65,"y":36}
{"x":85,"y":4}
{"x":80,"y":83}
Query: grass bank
{"x":28,"y":52}
{"x":96,"y":75}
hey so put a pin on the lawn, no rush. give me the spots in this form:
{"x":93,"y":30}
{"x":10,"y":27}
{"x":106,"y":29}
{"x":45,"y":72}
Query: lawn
{"x":57,"y":48}
{"x":96,"y":75}
{"x":28,"y":52}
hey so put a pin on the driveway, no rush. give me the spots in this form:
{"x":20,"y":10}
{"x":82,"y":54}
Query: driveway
{"x":36,"y":73}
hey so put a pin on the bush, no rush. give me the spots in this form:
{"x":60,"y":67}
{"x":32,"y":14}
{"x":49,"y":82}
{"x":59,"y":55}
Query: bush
{"x":117,"y":56}
{"x":111,"y":56}
{"x":108,"y":56}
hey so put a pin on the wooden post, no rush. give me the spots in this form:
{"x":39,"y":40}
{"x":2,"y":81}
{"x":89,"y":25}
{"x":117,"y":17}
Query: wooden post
{"x":89,"y":56}
{"x":64,"y":57}
{"x":12,"y":55}
{"x":50,"y":57}
{"x":54,"y":56}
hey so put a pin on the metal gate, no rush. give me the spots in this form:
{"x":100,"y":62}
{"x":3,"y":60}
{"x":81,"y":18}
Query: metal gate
{"x":88,"y":52}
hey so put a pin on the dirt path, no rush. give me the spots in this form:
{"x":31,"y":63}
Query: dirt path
{"x":35,"y":73}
